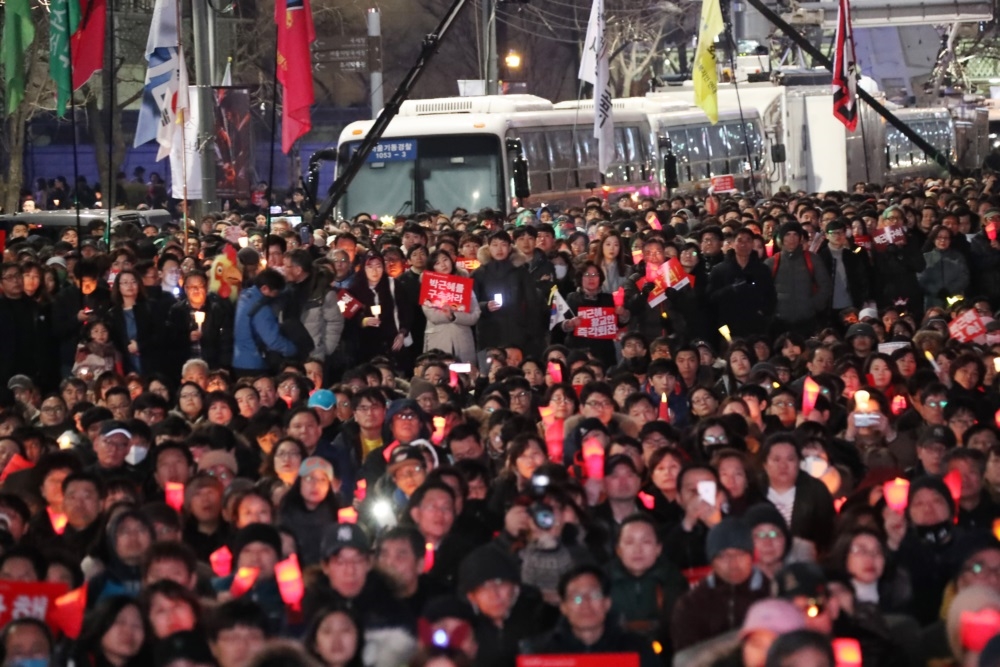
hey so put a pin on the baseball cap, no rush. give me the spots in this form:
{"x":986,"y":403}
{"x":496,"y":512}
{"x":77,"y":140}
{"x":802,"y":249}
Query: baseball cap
{"x":868,"y":313}
{"x":801,"y":579}
{"x":314,"y":463}
{"x":114,"y":427}
{"x":322,"y":399}
{"x":340,"y":536}
{"x":938,"y":435}
{"x":20,"y":382}
{"x":402,"y":455}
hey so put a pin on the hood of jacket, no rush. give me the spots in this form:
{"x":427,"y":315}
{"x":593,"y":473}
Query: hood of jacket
{"x":516,"y":257}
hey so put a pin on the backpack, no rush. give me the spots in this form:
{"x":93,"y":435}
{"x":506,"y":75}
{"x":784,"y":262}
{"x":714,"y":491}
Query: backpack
{"x":293,"y":330}
{"x":809,"y":267}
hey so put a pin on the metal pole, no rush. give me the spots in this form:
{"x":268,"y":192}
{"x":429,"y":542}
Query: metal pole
{"x":490,"y":46}
{"x":375,"y":60}
{"x":203,"y":73}
{"x":817,"y":55}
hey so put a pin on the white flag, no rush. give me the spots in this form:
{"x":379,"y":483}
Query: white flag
{"x":557,"y":308}
{"x":189,"y":163}
{"x":227,"y":76}
{"x":594,"y":70}
{"x":165,"y":93}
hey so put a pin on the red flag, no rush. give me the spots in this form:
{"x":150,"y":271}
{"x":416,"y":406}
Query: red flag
{"x":87,"y":43}
{"x":295,"y":34}
{"x":845,"y":74}
{"x":67,"y":613}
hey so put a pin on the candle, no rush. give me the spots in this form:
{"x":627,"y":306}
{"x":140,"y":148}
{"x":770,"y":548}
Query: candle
{"x":930,"y":357}
{"x":593,"y":458}
{"x":847,"y":652}
{"x":376,"y":310}
{"x":244,"y":580}
{"x":428,"y":557}
{"x":554,"y":434}
{"x":498,"y":299}
{"x":810,"y":392}
{"x":724,"y":330}
{"x":438,"y":436}
{"x":361,"y":490}
{"x":898,"y":405}
{"x":243,"y":241}
{"x":347,"y":515}
{"x":838,"y":503}
{"x":555,"y":372}
{"x":996,"y":364}
{"x":619,"y":298}
{"x":664,"y":408}
{"x":996,"y":528}
{"x":58,"y":521}
{"x":199,"y":318}
{"x":953,"y":481}
{"x":222,"y":561}
{"x":861,"y":400}
{"x":896,"y":493}
{"x":174,"y":494}
{"x":65,"y":441}
{"x":647,"y":500}
{"x":977,"y":628}
{"x":290,"y":585}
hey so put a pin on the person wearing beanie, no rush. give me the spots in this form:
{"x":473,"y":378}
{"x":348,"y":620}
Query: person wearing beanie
{"x":309,"y":506}
{"x":732,"y":585}
{"x":212,"y":340}
{"x":505,"y":610}
{"x":424,"y":393}
{"x":801,"y":282}
{"x":771,"y":537}
{"x":924,"y":550}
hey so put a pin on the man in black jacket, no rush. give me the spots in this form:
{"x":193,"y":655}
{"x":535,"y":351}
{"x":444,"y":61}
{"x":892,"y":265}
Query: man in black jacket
{"x":507,"y":297}
{"x":850,"y":269}
{"x":584,"y":627}
{"x":212,"y":339}
{"x":741,"y":289}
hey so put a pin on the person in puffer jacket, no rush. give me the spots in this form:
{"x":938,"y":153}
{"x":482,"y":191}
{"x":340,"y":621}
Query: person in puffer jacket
{"x":254,"y":323}
{"x":801,"y":282}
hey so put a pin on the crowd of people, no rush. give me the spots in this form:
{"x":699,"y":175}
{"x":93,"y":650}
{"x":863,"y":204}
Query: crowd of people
{"x":692,"y":431}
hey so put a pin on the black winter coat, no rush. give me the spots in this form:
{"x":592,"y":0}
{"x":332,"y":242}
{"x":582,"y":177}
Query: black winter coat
{"x":149,"y":337}
{"x":516,"y":322}
{"x":743,"y":297}
{"x":895,"y":276}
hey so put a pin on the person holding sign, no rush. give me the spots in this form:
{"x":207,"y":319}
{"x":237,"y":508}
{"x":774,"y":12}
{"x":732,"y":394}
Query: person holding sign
{"x":381,"y":328}
{"x":595,"y":325}
{"x":448,"y":328}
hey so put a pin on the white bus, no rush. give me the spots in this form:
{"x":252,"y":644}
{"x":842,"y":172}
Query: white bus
{"x":701,"y":149}
{"x":493,"y":151}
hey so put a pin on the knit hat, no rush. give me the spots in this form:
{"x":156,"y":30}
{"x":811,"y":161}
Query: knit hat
{"x":730,"y":533}
{"x":487,"y":563}
{"x":935,"y":484}
{"x":768,"y":513}
{"x":789,"y":228}
{"x":401,"y":404}
{"x":777,"y":616}
{"x":256,"y":532}
{"x":419,"y":387}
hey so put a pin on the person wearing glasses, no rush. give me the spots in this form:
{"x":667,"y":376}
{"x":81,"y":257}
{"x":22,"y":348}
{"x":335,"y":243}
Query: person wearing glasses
{"x":585,"y":624}
{"x":593,"y":333}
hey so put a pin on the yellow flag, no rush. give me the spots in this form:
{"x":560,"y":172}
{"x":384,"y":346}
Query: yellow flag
{"x":706,"y":75}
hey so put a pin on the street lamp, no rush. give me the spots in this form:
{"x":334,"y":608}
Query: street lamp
{"x":512,"y":60}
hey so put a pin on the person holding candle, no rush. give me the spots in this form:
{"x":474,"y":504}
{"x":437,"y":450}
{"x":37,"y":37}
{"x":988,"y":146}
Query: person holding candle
{"x":513,"y":318}
{"x":381,"y":327}
{"x":211,"y":338}
{"x":256,"y":550}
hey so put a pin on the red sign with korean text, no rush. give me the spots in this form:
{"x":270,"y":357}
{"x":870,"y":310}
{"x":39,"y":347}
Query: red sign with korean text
{"x":968,"y":327}
{"x":443,"y":291}
{"x":348,"y":305}
{"x":579,"y":660}
{"x":725,"y":183}
{"x":597,"y":323}
{"x":675,"y":275}
{"x":19,"y":599}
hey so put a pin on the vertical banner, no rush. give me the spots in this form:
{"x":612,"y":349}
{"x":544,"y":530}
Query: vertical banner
{"x":192,"y":161}
{"x":234,"y":169}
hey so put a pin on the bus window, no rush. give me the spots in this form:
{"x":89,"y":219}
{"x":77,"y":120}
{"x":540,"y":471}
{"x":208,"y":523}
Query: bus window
{"x":698,"y":150}
{"x":537,"y":154}
{"x":586,"y":156}
{"x":618,"y":173}
{"x":719,"y":149}
{"x":563,"y":160}
{"x":634,"y":154}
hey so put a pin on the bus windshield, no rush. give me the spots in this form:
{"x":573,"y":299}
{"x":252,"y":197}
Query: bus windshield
{"x":445,"y":172}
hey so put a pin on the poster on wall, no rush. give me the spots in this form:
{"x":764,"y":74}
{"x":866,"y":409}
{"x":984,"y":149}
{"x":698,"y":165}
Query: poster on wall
{"x":234,"y":165}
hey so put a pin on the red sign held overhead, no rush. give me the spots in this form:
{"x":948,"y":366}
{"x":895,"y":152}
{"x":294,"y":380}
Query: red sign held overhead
{"x":444,"y":291}
{"x":968,"y":327}
{"x":20,"y":599}
{"x":724,"y":183}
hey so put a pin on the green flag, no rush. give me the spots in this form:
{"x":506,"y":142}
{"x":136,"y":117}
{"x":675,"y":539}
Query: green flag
{"x":64,"y":18}
{"x":18,"y":33}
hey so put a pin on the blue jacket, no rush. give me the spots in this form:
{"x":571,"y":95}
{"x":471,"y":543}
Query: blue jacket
{"x":246,"y":356}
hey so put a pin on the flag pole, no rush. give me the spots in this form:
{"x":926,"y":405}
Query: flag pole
{"x":76,"y":152}
{"x":274,"y":127}
{"x":183,"y":121}
{"x":110,"y":199}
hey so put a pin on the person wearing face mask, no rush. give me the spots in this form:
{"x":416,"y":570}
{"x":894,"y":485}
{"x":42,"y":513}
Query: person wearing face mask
{"x":27,"y":642}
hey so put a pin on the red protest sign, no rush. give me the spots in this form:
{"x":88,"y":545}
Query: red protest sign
{"x":597,"y":323}
{"x":444,"y":291}
{"x":20,"y":599}
{"x":675,"y":275}
{"x":967,"y":327}
{"x":579,"y":660}
{"x":725,"y":183}
{"x":348,"y":305}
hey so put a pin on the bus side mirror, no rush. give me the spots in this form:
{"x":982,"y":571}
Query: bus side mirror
{"x":778,"y":153}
